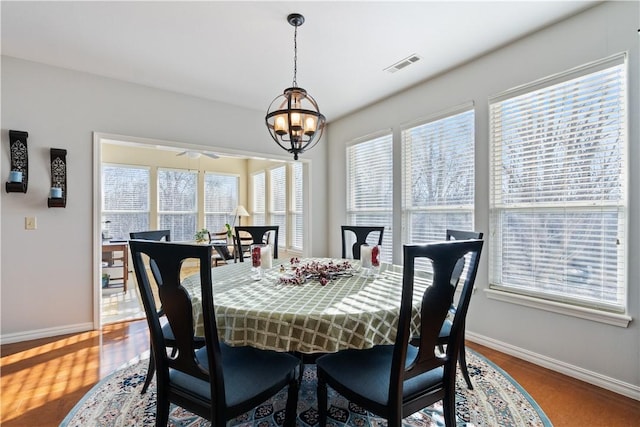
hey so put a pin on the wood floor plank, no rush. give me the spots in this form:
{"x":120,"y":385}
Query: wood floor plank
{"x":567,"y":401}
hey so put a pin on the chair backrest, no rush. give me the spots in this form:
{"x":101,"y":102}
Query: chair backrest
{"x":436,"y":301}
{"x":176,"y":301}
{"x":462,"y":235}
{"x":223,"y":250}
{"x":157,"y":235}
{"x":257,"y":233}
{"x":361,"y":233}
{"x":218,"y":237}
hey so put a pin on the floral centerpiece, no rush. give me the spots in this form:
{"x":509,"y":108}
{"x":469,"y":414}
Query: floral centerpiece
{"x":321,"y":271}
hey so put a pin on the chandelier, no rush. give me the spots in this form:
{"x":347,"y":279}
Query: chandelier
{"x":293,"y":118}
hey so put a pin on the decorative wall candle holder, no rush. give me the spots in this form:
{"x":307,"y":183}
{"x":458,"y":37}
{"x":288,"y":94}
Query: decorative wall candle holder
{"x":19,"y":175}
{"x":15,"y":176}
{"x":58,"y":192}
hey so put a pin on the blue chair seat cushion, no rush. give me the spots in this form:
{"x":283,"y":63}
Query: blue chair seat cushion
{"x":248,"y":373}
{"x":366,"y":372}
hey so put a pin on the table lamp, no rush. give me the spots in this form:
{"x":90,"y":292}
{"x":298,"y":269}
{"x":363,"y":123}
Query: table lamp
{"x":239,"y":212}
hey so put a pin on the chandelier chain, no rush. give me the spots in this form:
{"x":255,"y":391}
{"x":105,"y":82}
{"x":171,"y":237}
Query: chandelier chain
{"x":295,"y":56}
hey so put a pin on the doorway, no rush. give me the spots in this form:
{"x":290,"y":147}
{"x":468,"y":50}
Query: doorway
{"x":154,"y":156}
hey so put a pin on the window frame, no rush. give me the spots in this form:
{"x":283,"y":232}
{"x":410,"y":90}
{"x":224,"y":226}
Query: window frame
{"x":353,"y":212}
{"x":255,"y":213}
{"x":408,"y":207}
{"x":271,"y":211}
{"x":228,"y":218}
{"x":294,"y":214}
{"x":601,"y":312}
{"x":107,"y":212}
{"x":185,"y":213}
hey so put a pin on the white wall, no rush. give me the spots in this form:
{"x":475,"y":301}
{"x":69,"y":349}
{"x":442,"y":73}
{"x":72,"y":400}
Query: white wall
{"x":47,"y":274}
{"x":603,"y":354}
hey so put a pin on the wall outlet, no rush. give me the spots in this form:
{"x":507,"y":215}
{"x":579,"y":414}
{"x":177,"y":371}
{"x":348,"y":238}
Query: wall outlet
{"x":30,"y":223}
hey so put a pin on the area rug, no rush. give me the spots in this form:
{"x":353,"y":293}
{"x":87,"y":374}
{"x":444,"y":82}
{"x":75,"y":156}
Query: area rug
{"x":497,"y":400}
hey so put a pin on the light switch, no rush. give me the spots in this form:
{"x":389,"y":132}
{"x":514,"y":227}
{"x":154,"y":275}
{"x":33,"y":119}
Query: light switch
{"x":30,"y":223}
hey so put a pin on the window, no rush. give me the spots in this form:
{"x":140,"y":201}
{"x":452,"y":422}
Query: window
{"x":259,"y":197}
{"x":177,"y":203}
{"x":370,"y":187}
{"x":438,"y":176}
{"x":278,"y":202}
{"x":558,"y":188}
{"x":220,"y":199}
{"x":125,"y":200}
{"x":296,"y":206}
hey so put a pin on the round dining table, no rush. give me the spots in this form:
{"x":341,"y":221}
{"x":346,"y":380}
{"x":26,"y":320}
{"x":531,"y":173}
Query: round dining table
{"x":351,"y":311}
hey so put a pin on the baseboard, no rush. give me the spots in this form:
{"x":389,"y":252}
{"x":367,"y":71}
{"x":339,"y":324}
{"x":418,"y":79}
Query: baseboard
{"x":45,"y":333}
{"x":567,"y":369}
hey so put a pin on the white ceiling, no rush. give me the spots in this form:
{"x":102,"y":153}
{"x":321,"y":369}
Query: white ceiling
{"x":241,"y":52}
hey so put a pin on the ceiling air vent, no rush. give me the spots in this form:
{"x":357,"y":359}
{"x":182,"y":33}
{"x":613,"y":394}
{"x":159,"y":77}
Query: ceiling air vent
{"x":403,"y":63}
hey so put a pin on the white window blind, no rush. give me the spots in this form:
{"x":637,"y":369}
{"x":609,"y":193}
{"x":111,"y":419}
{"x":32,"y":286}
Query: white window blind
{"x":278,"y":202}
{"x":125,"y":200}
{"x":438,"y":175}
{"x":558,"y":188}
{"x":370,"y":188}
{"x":220,"y":199}
{"x":177,"y":203}
{"x":296,"y":205}
{"x":259,"y":196}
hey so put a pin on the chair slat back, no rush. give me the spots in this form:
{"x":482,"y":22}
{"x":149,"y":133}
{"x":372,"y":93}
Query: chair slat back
{"x":257,"y":233}
{"x":362,"y":233}
{"x":168,"y":259}
{"x":157,"y":235}
{"x":436,"y":302}
{"x":452,"y":234}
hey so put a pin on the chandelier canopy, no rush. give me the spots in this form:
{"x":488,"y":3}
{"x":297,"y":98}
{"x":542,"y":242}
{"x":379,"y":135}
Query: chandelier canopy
{"x":293,"y":118}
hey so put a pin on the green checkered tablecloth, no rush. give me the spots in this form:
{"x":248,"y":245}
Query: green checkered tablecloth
{"x":349,"y":312}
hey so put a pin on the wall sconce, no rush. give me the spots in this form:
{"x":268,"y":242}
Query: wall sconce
{"x":58,"y":192}
{"x":19,"y":174}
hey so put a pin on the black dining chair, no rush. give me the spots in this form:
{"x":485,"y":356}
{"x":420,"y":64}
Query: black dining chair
{"x":394,"y":381}
{"x":217,"y":382}
{"x":218,"y":240}
{"x":445,"y":332}
{"x":362,"y":234}
{"x":156,"y":235}
{"x":159,"y":235}
{"x":258,"y":235}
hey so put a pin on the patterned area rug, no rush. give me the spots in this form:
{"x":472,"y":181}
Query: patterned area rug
{"x":497,"y":400}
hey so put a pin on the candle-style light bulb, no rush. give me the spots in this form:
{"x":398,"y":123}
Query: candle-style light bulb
{"x":309,"y":125}
{"x":280,"y":124}
{"x":296,"y":121}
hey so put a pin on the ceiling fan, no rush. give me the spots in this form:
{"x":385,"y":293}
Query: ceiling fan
{"x":196,"y":154}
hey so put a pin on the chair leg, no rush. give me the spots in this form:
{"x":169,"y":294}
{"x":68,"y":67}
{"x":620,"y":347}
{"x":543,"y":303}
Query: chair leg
{"x":291,"y":411}
{"x":395,"y":418}
{"x":463,"y":365}
{"x":150,"y":371}
{"x":322,"y":401}
{"x":162,"y":408}
{"x":152,"y":368}
{"x":449,"y":408}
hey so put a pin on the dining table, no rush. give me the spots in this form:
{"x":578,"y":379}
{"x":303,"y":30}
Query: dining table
{"x":353,"y":310}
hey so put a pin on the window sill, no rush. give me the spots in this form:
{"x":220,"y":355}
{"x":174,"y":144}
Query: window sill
{"x":620,"y":320}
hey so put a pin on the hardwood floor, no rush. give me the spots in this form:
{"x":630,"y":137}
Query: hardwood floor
{"x":43,"y":379}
